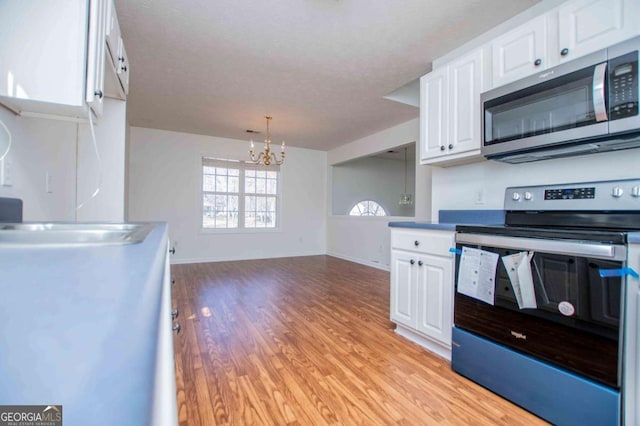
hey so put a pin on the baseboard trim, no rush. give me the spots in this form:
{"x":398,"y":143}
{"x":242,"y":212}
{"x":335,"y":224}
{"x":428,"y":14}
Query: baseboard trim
{"x":234,"y":258}
{"x":360,"y":261}
{"x":428,"y":344}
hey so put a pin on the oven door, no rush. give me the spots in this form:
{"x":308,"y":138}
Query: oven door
{"x":576,"y":324}
{"x":562,"y":104}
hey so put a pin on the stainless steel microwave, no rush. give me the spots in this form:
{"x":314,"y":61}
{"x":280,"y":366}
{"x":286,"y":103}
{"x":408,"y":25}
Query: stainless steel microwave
{"x":584,"y":106}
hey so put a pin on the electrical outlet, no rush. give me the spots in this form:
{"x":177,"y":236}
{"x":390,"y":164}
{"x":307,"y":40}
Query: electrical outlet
{"x":479,"y":196}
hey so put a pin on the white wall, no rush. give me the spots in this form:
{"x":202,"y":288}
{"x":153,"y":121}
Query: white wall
{"x":40,"y":146}
{"x":371,"y":178}
{"x":164,"y":185}
{"x":107,"y":174}
{"x":456,"y":187}
{"x":366,"y":240}
{"x":64,"y":149}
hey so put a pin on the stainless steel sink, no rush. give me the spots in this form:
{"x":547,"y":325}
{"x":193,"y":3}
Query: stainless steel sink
{"x":72,"y":234}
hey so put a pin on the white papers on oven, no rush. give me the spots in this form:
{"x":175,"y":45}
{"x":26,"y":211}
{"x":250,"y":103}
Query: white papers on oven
{"x":477,"y":273}
{"x":518,"y":267}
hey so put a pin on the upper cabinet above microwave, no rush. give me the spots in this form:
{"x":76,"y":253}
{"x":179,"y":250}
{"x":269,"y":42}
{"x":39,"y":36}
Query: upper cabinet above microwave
{"x":54,"y":57}
{"x":574,"y":29}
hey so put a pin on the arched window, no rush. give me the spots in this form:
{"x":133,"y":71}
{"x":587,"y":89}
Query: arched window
{"x":367,"y":208}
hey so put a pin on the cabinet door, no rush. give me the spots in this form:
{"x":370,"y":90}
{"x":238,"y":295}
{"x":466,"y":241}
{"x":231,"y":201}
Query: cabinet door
{"x":465,"y":85}
{"x":516,"y":53}
{"x":123,"y":68}
{"x":96,"y":55}
{"x":433,"y":114}
{"x":435,"y":297}
{"x":42,"y":53}
{"x":403,"y":288}
{"x":585,"y":26}
{"x":112,"y":31}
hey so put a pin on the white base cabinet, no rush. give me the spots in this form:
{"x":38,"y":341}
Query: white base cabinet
{"x":422,"y":287}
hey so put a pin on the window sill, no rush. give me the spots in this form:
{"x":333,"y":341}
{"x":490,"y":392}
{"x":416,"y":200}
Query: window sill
{"x":219,"y":231}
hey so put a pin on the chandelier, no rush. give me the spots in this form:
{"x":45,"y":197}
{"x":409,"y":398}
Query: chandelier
{"x":267,"y":156}
{"x":405,"y":197}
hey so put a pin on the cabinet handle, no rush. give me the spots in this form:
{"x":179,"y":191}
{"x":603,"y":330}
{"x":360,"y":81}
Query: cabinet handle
{"x":98,"y":93}
{"x":173,"y":281}
{"x":564,"y":52}
{"x":441,"y":147}
{"x":120,"y":58}
{"x":175,"y":313}
{"x":537,"y":62}
{"x":172,"y":250}
{"x":412,"y":261}
{"x":419,"y":262}
{"x":416,"y":243}
{"x":450,"y":146}
{"x":123,"y":68}
{"x":176,"y":327}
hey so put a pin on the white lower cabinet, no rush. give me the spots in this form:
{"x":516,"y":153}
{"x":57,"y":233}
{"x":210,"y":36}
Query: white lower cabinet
{"x":422,"y":287}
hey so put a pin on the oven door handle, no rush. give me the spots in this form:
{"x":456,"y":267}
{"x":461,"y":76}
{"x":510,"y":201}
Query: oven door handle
{"x":598,"y":92}
{"x":562,"y":247}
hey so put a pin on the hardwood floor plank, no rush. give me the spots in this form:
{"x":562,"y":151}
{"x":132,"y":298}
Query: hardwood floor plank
{"x":308,"y":341}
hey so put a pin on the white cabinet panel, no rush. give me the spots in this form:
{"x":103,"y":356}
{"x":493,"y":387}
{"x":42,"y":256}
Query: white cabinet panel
{"x":96,"y":55}
{"x":520,"y":52}
{"x":585,"y":26}
{"x":435,"y":297}
{"x":42,"y":62}
{"x":54,"y":56}
{"x":403,"y":287}
{"x":450,"y":111}
{"x":464,"y":112}
{"x":422,"y":287}
{"x":433,"y":113}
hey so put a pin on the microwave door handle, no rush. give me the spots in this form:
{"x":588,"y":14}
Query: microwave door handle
{"x":599,"y":105}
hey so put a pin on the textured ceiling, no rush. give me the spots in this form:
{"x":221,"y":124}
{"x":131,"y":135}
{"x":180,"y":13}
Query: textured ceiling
{"x":319,"y":67}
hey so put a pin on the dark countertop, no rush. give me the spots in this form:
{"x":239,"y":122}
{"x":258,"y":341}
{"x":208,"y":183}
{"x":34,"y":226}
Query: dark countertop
{"x":448,"y":219}
{"x":80,"y":328}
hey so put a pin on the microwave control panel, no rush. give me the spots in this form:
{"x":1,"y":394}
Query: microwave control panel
{"x":623,"y":86}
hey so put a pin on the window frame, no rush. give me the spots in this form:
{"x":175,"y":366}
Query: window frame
{"x":380,"y":206}
{"x":242,"y":166}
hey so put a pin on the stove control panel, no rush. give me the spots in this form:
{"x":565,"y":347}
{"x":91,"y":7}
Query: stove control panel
{"x":605,"y":195}
{"x":570,"y":193}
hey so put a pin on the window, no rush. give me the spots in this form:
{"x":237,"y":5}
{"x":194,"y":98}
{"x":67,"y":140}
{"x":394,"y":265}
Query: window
{"x":367,"y":208}
{"x":239,"y":195}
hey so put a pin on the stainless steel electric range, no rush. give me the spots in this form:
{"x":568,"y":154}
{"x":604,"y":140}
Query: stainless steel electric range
{"x":539,"y":303}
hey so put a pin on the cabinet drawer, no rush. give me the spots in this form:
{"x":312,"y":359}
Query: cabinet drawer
{"x":423,"y":241}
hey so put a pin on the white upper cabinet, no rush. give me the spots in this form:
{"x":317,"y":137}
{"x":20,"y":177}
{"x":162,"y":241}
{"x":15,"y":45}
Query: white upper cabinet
{"x":94,"y":93}
{"x":520,"y":52}
{"x":117,"y":84}
{"x":465,"y":85}
{"x":433,"y":113}
{"x":585,"y":26}
{"x":450,"y":111}
{"x":574,"y":29}
{"x":53,"y":56}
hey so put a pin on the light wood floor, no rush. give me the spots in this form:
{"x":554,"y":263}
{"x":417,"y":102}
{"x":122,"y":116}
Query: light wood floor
{"x":308,"y":341}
